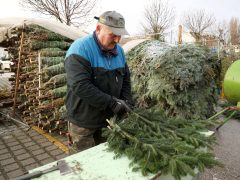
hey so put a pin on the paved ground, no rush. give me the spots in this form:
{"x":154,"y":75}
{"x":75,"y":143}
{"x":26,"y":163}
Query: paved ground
{"x":227,"y":151}
{"x":22,"y":150}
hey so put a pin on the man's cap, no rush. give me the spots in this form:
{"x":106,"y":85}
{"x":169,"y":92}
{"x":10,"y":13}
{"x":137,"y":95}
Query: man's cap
{"x":114,"y":21}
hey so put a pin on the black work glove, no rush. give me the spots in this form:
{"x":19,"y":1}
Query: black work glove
{"x":130,"y":106}
{"x":117,"y":106}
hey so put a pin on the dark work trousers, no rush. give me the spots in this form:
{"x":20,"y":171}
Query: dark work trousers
{"x":83,"y":138}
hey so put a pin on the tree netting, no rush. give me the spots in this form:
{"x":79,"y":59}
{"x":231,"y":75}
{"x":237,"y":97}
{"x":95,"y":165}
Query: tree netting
{"x":181,"y":80}
{"x":58,"y":92}
{"x":56,"y":81}
{"x":41,"y":34}
{"x":49,"y":61}
{"x":52,"y":52}
{"x":37,"y":45}
{"x":53,"y":70}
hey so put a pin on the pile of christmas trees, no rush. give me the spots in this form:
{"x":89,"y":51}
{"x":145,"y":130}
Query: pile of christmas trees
{"x":42,"y":78}
{"x":156,"y":143}
{"x":175,"y":92}
{"x":181,"y":80}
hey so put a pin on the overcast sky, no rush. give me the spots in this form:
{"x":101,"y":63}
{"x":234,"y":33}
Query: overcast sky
{"x":132,"y":10}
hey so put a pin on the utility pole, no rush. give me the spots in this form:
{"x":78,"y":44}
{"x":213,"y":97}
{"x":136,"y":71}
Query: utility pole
{"x":180,"y":34}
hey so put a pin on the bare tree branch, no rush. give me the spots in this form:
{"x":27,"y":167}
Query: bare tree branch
{"x":198,"y":22}
{"x":158,"y":16}
{"x":223,"y":32}
{"x":70,"y":12}
{"x":234,"y":28}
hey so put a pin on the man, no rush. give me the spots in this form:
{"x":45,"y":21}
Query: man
{"x":98,"y":81}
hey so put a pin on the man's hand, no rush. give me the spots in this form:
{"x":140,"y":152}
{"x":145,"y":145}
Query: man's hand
{"x":118,"y":106}
{"x":129,"y":107}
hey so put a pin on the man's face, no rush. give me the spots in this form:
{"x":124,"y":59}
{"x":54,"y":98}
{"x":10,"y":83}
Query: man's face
{"x":106,"y":37}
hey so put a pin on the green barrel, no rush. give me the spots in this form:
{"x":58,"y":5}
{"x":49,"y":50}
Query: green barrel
{"x":231,"y":83}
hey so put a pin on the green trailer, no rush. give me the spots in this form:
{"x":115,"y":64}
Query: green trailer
{"x":231,"y":84}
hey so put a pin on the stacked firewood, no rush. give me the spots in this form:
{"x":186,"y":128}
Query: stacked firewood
{"x":39,"y":83}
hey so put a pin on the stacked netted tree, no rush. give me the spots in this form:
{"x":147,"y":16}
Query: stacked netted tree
{"x":42,"y":78}
{"x":180,"y":80}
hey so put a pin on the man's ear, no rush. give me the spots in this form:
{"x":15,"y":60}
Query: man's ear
{"x":98,"y":28}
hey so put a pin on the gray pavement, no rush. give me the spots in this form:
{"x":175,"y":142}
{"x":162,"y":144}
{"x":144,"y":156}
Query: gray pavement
{"x":228,"y":151}
{"x":22,"y":150}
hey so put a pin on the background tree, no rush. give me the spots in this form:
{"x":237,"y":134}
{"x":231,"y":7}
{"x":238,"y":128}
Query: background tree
{"x":197,"y":22}
{"x":234,"y":28}
{"x":158,"y":17}
{"x":70,"y":12}
{"x":221,"y":31}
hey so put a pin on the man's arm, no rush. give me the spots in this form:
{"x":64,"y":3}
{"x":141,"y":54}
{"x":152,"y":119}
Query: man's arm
{"x":79,"y":81}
